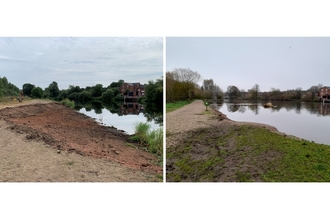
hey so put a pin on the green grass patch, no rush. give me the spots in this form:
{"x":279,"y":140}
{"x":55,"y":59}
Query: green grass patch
{"x":246,"y":153}
{"x":68,"y":103}
{"x":172,"y":106}
{"x":150,"y":140}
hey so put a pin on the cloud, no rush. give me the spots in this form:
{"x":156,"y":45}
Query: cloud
{"x":83,"y":59}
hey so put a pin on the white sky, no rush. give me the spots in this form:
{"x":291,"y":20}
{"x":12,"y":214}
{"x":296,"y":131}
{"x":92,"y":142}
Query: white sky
{"x":279,"y":62}
{"x":80,"y":61}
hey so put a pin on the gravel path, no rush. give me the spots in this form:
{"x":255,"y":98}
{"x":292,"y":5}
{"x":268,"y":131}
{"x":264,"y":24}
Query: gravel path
{"x":194,"y":116}
{"x":188,"y":117}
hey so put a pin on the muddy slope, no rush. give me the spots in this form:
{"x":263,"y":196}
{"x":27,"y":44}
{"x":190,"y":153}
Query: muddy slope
{"x":67,"y":130}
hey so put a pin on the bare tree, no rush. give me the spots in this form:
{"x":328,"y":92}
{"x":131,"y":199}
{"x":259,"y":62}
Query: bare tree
{"x":255,"y":91}
{"x":186,"y":75}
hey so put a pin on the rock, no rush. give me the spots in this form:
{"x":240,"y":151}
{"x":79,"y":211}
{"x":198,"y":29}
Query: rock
{"x":268,"y":105}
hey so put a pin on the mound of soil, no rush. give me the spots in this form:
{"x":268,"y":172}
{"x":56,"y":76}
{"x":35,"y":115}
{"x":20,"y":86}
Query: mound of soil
{"x":68,"y":130}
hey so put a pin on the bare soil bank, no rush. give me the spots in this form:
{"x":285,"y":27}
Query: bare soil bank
{"x":32,"y":132}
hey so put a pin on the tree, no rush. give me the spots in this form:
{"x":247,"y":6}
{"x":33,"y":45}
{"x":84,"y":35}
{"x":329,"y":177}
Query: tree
{"x":186,"y":75}
{"x":27,"y":89}
{"x":37,"y":92}
{"x":154,"y":92}
{"x":107,"y":96}
{"x":180,"y":84}
{"x":315,"y":90}
{"x":97,"y":90}
{"x":298,"y":93}
{"x":233,"y":92}
{"x":53,"y":90}
{"x":1,"y":88}
{"x":255,"y":92}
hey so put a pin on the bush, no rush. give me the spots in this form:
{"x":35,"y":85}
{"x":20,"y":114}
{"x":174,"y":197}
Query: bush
{"x":107,"y":96}
{"x":68,"y":103}
{"x":37,"y":93}
{"x":152,"y":140}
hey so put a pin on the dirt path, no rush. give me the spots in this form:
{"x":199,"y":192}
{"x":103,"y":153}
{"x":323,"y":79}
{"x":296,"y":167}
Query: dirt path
{"x":45,"y":141}
{"x":194,"y":116}
{"x":187,"y":118}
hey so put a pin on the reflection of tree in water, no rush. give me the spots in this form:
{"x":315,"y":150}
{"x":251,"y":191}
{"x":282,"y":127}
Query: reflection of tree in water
{"x":154,"y":112}
{"x":150,"y":110}
{"x":114,"y":108}
{"x":215,"y":104}
{"x":97,"y":106}
{"x":242,"y":109}
{"x":232,"y":107}
{"x":298,"y":107}
{"x":312,"y":107}
{"x":289,"y":106}
{"x":255,"y":108}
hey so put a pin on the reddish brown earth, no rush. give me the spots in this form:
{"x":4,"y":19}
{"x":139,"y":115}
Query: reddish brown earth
{"x":68,"y":130}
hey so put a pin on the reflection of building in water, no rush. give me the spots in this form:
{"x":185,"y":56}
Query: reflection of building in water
{"x":131,"y":108}
{"x":324,"y":109}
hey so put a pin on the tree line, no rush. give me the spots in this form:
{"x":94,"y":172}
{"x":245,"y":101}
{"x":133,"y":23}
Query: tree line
{"x":274,"y":94}
{"x":7,"y":88}
{"x":182,"y":84}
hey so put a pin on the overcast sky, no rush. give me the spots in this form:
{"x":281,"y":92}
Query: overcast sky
{"x":80,"y":61}
{"x":278,"y":62}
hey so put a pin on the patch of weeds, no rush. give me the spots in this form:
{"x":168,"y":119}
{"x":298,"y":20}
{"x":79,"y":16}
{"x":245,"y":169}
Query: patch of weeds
{"x":131,"y":145}
{"x":68,"y":103}
{"x":320,"y":167}
{"x":152,"y":141}
{"x":70,"y":163}
{"x":242,"y":176}
{"x":175,"y":105}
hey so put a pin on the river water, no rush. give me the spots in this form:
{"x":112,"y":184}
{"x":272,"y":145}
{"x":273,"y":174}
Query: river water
{"x":309,"y":121}
{"x":123,"y":117}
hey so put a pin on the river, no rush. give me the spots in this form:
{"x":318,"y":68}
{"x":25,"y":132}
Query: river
{"x":306,"y":120}
{"x":123,"y":117}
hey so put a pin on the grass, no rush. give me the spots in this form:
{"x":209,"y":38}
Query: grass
{"x":150,"y":140}
{"x":247,"y":154}
{"x":7,"y":99}
{"x":175,"y":105}
{"x":68,"y":103}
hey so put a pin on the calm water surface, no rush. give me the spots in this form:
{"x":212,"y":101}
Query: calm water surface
{"x":309,"y":121}
{"x":123,"y":118}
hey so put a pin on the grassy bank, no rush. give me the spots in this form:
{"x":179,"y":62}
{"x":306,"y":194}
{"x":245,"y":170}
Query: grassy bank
{"x":175,"y":105}
{"x":149,"y":140}
{"x":246,"y":153}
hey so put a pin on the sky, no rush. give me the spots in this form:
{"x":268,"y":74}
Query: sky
{"x":80,"y":61}
{"x":271,"y":62}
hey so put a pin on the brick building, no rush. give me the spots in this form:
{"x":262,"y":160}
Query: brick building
{"x":324,"y":93}
{"x":132,"y":90}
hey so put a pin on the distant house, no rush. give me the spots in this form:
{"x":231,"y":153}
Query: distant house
{"x":324,"y":93}
{"x":132,"y":90}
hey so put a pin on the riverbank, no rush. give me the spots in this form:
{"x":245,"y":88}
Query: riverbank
{"x":204,"y":147}
{"x":45,"y":141}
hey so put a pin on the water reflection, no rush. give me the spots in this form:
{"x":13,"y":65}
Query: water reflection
{"x":307,"y":120}
{"x":318,"y":108}
{"x":123,"y":116}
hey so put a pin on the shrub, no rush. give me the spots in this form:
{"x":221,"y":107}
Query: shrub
{"x":152,"y":140}
{"x":68,"y":103}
